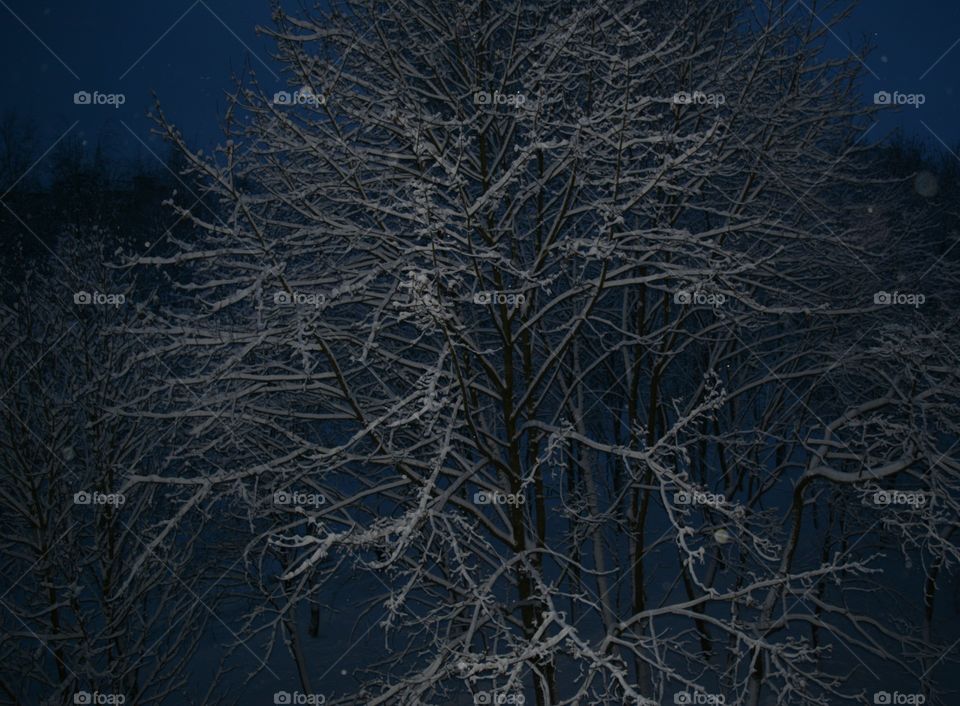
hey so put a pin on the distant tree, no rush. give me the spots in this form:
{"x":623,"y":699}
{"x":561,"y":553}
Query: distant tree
{"x":98,"y":596}
{"x":18,"y":151}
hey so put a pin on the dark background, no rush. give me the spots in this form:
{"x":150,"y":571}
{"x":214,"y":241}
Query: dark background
{"x":187,"y":51}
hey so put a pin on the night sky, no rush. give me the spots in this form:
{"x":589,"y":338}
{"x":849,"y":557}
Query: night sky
{"x":186,"y":52}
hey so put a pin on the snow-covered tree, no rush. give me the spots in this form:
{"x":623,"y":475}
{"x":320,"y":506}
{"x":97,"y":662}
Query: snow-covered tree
{"x":563,"y":315}
{"x":98,"y":597}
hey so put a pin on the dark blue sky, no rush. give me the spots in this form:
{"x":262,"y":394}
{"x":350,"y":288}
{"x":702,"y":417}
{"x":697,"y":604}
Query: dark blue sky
{"x":916,"y":49}
{"x":187,"y":50}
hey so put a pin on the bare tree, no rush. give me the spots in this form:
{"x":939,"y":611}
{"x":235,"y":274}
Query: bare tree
{"x":107,"y":597}
{"x":17,"y":150}
{"x":559,"y":307}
